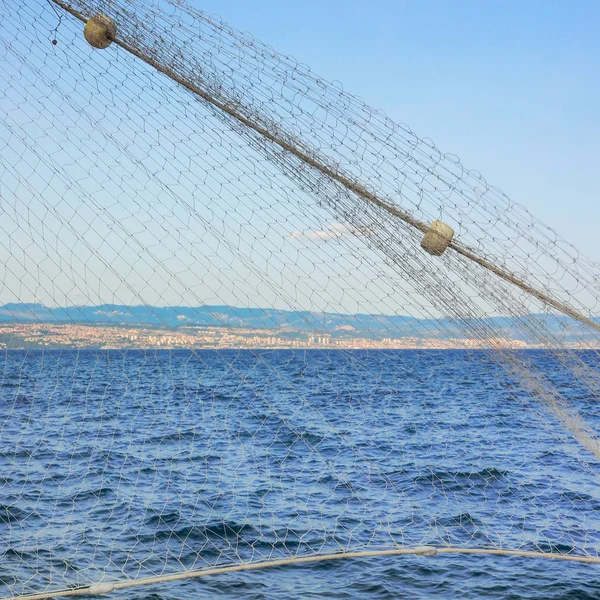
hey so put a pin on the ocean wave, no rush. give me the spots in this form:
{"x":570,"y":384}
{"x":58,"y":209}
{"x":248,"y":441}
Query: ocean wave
{"x":11,"y":514}
{"x":483,"y":477}
{"x":169,"y":526}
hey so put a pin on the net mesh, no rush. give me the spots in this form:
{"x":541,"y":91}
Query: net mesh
{"x":222,"y":342}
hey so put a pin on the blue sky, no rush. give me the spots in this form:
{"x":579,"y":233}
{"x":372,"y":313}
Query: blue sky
{"x":513,"y":88}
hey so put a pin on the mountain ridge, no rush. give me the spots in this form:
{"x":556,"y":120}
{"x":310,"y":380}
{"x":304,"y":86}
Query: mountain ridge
{"x":256,"y":318}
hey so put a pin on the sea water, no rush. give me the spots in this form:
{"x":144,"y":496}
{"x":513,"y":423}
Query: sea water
{"x":128,"y":464}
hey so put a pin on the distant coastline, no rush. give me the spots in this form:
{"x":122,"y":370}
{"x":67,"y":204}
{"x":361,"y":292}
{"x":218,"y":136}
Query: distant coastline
{"x":34,"y":335}
{"x":118,"y":326}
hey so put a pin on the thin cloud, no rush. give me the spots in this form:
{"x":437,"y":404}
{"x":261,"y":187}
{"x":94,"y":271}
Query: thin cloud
{"x":334,"y":231}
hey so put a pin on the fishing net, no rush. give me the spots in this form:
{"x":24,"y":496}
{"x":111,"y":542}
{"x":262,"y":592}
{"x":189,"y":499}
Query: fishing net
{"x":248,"y":321}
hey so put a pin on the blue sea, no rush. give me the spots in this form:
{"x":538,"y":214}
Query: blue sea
{"x":128,"y":464}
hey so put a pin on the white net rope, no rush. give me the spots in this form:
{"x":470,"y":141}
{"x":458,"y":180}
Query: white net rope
{"x":223,"y":345}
